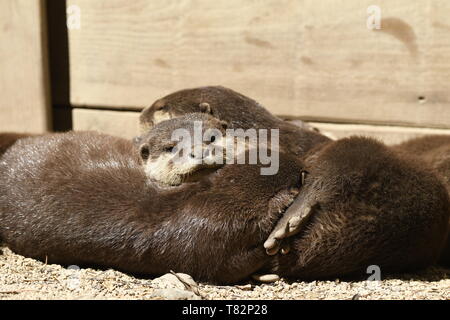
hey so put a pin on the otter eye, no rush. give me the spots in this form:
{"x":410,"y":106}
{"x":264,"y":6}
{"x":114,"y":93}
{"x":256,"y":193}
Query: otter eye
{"x":145,"y":152}
{"x":169,"y":149}
{"x":161,"y":107}
{"x":212,"y":139}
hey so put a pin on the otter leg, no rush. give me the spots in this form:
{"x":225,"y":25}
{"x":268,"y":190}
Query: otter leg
{"x":291,"y":223}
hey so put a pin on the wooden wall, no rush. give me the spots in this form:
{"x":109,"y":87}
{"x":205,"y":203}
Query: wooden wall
{"x":302,"y":59}
{"x":24,"y":83}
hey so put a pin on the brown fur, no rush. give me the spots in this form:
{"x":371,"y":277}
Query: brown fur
{"x":362,"y":214}
{"x":164,"y":163}
{"x":84,"y":199}
{"x":371,"y":206}
{"x":435,"y":151}
{"x":243,"y":112}
{"x":7,"y":139}
{"x":237,"y":110}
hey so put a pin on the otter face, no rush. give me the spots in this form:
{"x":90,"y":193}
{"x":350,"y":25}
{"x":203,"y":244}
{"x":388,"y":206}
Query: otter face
{"x":183,"y":149}
{"x":154,"y":114}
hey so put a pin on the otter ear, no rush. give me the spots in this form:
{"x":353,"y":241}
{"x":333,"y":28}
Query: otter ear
{"x":159,"y":105}
{"x":205,"y":107}
{"x":144,"y":152}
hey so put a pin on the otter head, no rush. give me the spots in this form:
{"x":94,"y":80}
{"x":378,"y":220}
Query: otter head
{"x":178,"y":104}
{"x":183,"y":149}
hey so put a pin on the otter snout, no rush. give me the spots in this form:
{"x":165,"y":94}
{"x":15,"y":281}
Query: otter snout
{"x":200,"y":153}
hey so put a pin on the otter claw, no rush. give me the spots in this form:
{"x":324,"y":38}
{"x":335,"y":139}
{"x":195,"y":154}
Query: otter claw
{"x":296,"y":222}
{"x":293,"y":224}
{"x":273,"y":251}
{"x":285,"y":248}
{"x":270,"y":243}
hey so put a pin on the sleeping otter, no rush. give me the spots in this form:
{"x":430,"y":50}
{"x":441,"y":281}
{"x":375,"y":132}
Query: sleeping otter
{"x":162,"y":153}
{"x":361,"y":204}
{"x":239,"y":111}
{"x":83,"y":198}
{"x":355,"y":211}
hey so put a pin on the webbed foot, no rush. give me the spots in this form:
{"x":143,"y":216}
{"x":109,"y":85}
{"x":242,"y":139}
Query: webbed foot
{"x":291,"y":223}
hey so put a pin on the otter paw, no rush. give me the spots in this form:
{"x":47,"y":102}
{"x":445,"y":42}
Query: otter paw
{"x":295,"y":223}
{"x":291,"y":223}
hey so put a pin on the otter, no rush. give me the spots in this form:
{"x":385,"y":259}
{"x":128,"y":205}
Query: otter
{"x":231,"y":106}
{"x":435,"y":151}
{"x":84,"y":198}
{"x":361,"y":204}
{"x":353,"y":210}
{"x":239,"y":111}
{"x":7,"y":139}
{"x":432,"y":149}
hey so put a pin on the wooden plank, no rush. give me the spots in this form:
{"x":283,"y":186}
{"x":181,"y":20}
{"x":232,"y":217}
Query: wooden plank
{"x":124,"y":124}
{"x":24,"y":89}
{"x":129,"y":53}
{"x":351,"y":74}
{"x":310,"y":59}
{"x":388,"y":134}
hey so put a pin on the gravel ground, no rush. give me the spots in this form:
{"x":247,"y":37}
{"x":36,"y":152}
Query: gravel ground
{"x":25,"y":278}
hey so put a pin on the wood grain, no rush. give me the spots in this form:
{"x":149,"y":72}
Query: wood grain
{"x":125,"y":124}
{"x":118,"y":123}
{"x":24,"y":83}
{"x":388,"y":134}
{"x":300,"y":58}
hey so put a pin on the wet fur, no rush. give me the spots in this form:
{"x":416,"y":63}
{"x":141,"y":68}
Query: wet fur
{"x":236,"y":109}
{"x":84,"y":199}
{"x":160,"y":164}
{"x":374,"y":206}
{"x":329,"y":247}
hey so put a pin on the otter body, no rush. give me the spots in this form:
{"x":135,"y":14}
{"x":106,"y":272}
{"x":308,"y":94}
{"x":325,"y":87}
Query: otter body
{"x":432,"y":149}
{"x":239,"y":111}
{"x":367,"y":205}
{"x":7,"y":139}
{"x":435,"y":151}
{"x":84,"y":199}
